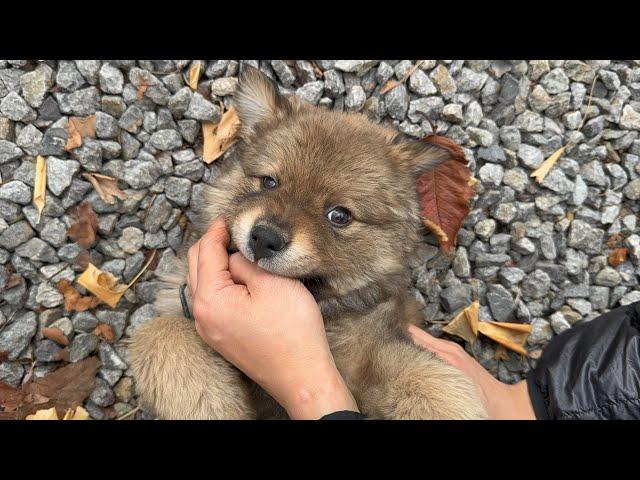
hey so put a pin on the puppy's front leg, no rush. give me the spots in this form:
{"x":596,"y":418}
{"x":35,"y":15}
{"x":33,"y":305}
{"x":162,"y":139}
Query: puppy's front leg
{"x":402,"y":381}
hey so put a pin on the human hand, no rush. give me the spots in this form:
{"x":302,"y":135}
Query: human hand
{"x":268,"y":326}
{"x":502,"y":401}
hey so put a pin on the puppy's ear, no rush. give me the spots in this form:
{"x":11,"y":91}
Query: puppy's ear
{"x":257,"y":100}
{"x":417,"y":157}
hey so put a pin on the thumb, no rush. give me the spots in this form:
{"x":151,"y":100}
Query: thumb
{"x":245,"y":272}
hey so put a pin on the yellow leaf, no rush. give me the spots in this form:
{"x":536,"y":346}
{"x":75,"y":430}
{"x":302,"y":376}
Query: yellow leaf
{"x":78,"y":414}
{"x":194,"y":75}
{"x":107,"y":187}
{"x":78,"y":129}
{"x":464,"y":325}
{"x":102,"y":284}
{"x":105,"y":286}
{"x":218,"y":138}
{"x":48,"y":414}
{"x":547,"y":165}
{"x":40,"y":186}
{"x":511,"y":335}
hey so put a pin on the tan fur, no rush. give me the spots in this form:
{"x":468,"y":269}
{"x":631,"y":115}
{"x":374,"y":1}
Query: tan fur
{"x":358,"y":274}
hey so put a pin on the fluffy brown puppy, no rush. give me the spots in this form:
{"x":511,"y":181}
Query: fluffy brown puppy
{"x":329,"y":198}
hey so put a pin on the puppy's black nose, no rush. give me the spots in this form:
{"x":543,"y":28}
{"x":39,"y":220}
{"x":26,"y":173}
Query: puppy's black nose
{"x":265,"y":242}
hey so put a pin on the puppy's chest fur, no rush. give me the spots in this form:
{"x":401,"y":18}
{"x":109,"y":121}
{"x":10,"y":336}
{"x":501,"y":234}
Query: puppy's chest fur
{"x":354,"y":336}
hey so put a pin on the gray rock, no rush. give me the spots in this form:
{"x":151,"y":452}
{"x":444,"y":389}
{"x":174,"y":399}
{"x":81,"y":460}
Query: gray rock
{"x":38,"y":250}
{"x":225,"y":86}
{"x":541,"y":332}
{"x":420,"y":84}
{"x":559,"y":323}
{"x":131,"y":120}
{"x":116,"y":319}
{"x":110,"y":358}
{"x":16,"y":191}
{"x":397,"y":102}
{"x":455,"y":297}
{"x":166,"y":140}
{"x":140,"y":316}
{"x":140,"y":173}
{"x":536,"y":284}
{"x":84,"y":102}
{"x":11,"y":373}
{"x":178,"y":190}
{"x":583,"y":236}
{"x":68,"y":77}
{"x":491,"y":174}
{"x":333,"y":83}
{"x":84,"y":321}
{"x":131,"y":240}
{"x":82,"y":346}
{"x":630,"y":119}
{"x":36,"y":83}
{"x":443,"y":81}
{"x":500,"y":302}
{"x":53,"y":142}
{"x":14,"y":107}
{"x":311,"y":92}
{"x":608,"y":277}
{"x":632,"y":190}
{"x":355,"y":98}
{"x":530,"y":156}
{"x":111,"y":79}
{"x":556,"y":81}
{"x":60,"y":174}
{"x":157,"y":215}
{"x":16,"y":234}
{"x":15,"y":336}
{"x":48,"y":351}
{"x":102,"y":394}
{"x":106,"y":126}
{"x":8,"y":152}
{"x":202,"y":109}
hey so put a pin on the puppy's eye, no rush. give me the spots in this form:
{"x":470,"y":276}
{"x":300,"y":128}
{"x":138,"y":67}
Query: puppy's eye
{"x":269,"y":183}
{"x":339,"y":216}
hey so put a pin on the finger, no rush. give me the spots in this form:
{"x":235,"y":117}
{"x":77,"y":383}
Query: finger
{"x":245,"y":272}
{"x":424,"y":339}
{"x":212,"y":258}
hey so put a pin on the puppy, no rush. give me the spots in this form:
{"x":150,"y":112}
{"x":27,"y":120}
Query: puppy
{"x":328,"y":198}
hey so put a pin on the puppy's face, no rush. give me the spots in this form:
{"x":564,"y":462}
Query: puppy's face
{"x":322,"y":195}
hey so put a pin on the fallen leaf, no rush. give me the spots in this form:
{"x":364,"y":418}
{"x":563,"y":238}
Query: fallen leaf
{"x":466,"y":325}
{"x":84,"y":229}
{"x":445,"y":193}
{"x":547,"y":165}
{"x":107,"y":187}
{"x":48,"y":414}
{"x":218,"y":138}
{"x":511,"y":335}
{"x":78,"y":129}
{"x":501,"y":353}
{"x":40,"y":185}
{"x":105,"y":286}
{"x":4,"y":356}
{"x":142,"y":87}
{"x":391,"y":84}
{"x":78,"y":414}
{"x":194,"y":75}
{"x":14,"y":280}
{"x":618,"y":256}
{"x":102,"y":284}
{"x":55,"y":334}
{"x":104,"y":331}
{"x":63,"y":389}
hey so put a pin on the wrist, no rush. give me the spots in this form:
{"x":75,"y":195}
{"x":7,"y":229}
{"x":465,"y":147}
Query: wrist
{"x":326,"y":393}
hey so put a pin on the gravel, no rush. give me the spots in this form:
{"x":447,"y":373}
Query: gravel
{"x":528,"y":252}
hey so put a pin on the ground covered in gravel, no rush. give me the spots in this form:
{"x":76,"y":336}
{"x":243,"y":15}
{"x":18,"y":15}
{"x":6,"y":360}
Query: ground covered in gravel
{"x":528,"y":252}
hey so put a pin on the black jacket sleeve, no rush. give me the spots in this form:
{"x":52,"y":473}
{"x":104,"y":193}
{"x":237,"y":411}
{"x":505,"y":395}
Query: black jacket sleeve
{"x":344,"y":415}
{"x":592,"y":371}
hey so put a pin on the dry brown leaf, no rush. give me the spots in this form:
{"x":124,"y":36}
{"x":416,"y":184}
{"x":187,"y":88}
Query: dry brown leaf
{"x":105,"y":286}
{"x":194,"y":75}
{"x":445,"y":193}
{"x":84,"y":229}
{"x":466,"y":325}
{"x":104,"y":331}
{"x":14,"y":280}
{"x":107,"y":187}
{"x":618,"y":256}
{"x":62,"y":389}
{"x":614,"y":240}
{"x":547,"y":165}
{"x":55,"y":334}
{"x":40,"y":185}
{"x":142,"y":88}
{"x":78,"y":129}
{"x":218,"y":138}
{"x":102,"y":284}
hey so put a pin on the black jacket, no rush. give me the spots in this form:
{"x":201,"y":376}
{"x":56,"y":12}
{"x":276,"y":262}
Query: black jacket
{"x":591,"y":371}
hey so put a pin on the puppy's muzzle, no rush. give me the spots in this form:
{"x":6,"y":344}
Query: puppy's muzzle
{"x":265,"y":241}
